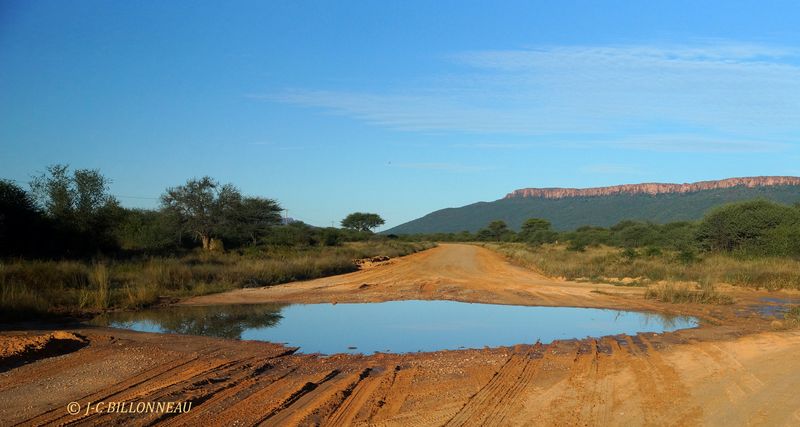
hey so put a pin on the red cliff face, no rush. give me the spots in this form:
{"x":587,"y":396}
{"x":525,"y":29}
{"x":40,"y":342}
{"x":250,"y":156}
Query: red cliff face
{"x":654,"y":188}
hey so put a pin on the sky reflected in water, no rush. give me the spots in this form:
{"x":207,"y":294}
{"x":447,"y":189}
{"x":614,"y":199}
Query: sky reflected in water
{"x":395,"y":326}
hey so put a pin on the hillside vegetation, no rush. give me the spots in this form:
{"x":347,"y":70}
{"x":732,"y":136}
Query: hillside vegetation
{"x":570,"y":213}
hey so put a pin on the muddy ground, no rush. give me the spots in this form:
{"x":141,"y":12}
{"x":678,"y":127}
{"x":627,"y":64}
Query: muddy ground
{"x":737,"y":368}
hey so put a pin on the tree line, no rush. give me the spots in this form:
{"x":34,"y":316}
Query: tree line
{"x":758,"y":227}
{"x":70,"y":213}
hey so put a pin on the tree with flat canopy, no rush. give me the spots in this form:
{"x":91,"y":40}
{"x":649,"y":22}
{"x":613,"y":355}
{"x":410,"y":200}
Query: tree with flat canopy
{"x":254,"y":217}
{"x":209,"y":210}
{"x":362,"y":221}
{"x":203,"y":207}
{"x":536,"y":231}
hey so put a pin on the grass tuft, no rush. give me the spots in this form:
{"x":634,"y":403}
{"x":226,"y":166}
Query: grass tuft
{"x":683,"y":294}
{"x":792,"y":316}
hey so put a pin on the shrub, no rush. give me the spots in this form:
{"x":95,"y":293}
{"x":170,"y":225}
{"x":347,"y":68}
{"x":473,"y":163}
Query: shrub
{"x":748,"y":227}
{"x":687,"y":256}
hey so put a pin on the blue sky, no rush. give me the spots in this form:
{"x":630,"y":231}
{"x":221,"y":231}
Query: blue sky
{"x":399,"y":108}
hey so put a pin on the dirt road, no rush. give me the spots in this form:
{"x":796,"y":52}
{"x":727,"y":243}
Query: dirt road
{"x":451,"y":271}
{"x":733,"y":370}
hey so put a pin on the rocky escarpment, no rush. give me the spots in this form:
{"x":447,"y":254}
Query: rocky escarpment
{"x":655,"y":188}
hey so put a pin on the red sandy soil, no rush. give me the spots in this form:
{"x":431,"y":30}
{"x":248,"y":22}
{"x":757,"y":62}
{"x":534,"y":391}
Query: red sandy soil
{"x":735,"y":369}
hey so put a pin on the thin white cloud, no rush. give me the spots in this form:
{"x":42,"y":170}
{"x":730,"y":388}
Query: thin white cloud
{"x":743,"y":96}
{"x":695,"y":143}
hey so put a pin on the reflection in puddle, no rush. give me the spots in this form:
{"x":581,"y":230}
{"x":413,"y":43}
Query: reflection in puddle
{"x":221,"y":321}
{"x":775,"y":307}
{"x":396,"y":326}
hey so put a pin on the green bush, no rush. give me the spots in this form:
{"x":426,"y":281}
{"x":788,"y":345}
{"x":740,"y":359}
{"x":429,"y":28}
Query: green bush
{"x":757,"y":227}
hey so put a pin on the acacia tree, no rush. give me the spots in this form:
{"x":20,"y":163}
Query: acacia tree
{"x":537,"y":231}
{"x":203,"y":207}
{"x":496,"y":230}
{"x":254,"y":216}
{"x":362,"y":221}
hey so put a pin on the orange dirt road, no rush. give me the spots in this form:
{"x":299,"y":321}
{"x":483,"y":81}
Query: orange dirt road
{"x":450,"y":271}
{"x":733,"y":370}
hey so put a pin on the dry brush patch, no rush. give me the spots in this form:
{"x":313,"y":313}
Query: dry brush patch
{"x":680,"y":293}
{"x":605,"y":264}
{"x":40,"y":287}
{"x":792,"y":316}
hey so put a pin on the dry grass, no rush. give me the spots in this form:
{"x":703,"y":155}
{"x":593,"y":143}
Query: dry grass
{"x":677,"y":293}
{"x":792,"y":316}
{"x":101,"y":282}
{"x":36,"y":287}
{"x":610,"y":265}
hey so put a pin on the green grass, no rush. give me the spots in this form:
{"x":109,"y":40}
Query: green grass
{"x":35,"y":288}
{"x":611,"y":265}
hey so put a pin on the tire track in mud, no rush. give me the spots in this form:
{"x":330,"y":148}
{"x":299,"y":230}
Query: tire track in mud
{"x":322,"y":408}
{"x":132,"y":383}
{"x":395,"y":395}
{"x":664,"y":398}
{"x":597,"y":387}
{"x":358,"y":399}
{"x":216,"y":399}
{"x":303,"y":397}
{"x":198,"y":390}
{"x":612,"y":380}
{"x":491,"y":403}
{"x":582,"y":401}
{"x":149,"y":383}
{"x":237,"y":403}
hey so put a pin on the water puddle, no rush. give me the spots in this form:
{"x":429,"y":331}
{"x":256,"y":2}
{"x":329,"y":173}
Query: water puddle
{"x":396,"y":326}
{"x":774,"y":307}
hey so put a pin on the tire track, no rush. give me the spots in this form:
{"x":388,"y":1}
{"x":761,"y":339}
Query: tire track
{"x":129,"y":384}
{"x":396,"y":394}
{"x":279,"y":416}
{"x":347,"y":412}
{"x":491,"y":403}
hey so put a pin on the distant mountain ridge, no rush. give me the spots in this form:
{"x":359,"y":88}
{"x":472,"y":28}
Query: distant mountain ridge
{"x":655,"y":188}
{"x":569,"y":208}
